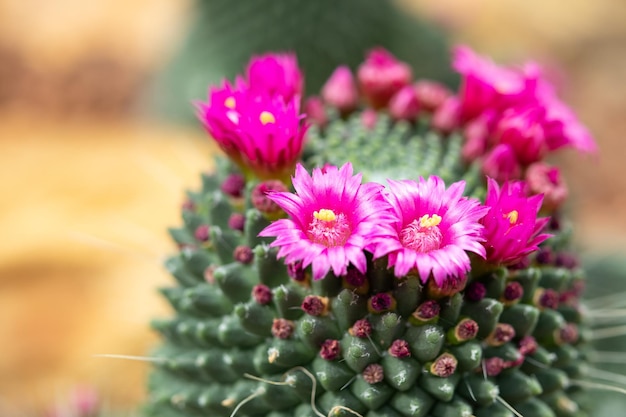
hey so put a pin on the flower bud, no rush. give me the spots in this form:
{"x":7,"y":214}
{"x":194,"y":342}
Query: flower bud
{"x":544,"y":179}
{"x":431,"y":94}
{"x":315,"y":111}
{"x":446,"y":117}
{"x":404,"y":104}
{"x":381,"y":76}
{"x":340,"y":90}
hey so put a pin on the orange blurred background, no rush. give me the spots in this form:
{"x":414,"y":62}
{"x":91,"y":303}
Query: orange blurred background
{"x":89,"y":183}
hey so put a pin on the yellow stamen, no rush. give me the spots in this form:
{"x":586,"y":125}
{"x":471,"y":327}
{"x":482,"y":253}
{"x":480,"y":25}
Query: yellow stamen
{"x":512,"y":216}
{"x":267,"y":117}
{"x":430,"y":221}
{"x":325,"y":215}
{"x":230,"y":102}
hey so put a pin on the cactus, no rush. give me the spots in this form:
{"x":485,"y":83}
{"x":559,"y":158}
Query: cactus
{"x":495,"y":331}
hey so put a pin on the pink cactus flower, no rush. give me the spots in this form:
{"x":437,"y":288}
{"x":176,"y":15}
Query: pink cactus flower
{"x":433,"y":228}
{"x":512,"y":229}
{"x":545,"y":179}
{"x":276,"y":75}
{"x":333,"y":218}
{"x":340,"y":90}
{"x":487,"y":86}
{"x":501,"y":163}
{"x":404,"y":104}
{"x":562,"y":127}
{"x":381,"y":76}
{"x":263,"y":134}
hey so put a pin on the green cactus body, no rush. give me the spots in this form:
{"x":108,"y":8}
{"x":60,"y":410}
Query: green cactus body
{"x":240,"y":342}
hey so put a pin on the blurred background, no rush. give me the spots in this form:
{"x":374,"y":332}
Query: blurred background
{"x":97,"y":147}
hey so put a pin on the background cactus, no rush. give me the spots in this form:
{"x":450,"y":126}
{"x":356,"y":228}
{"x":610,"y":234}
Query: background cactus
{"x":323,"y":33}
{"x":254,"y":337}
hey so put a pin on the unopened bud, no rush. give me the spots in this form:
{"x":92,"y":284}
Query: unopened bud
{"x":315,"y":111}
{"x":265,"y":205}
{"x":431,"y":94}
{"x":404,"y":104}
{"x":544,"y":179}
{"x":381,"y":76}
{"x":447,"y":117}
{"x":340,"y":90}
{"x":233,"y":185}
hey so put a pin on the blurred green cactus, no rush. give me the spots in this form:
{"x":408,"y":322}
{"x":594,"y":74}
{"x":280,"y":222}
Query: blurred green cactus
{"x":323,"y":34}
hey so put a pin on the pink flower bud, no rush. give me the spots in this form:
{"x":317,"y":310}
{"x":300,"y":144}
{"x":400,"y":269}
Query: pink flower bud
{"x":381,"y":76}
{"x":476,"y":134}
{"x":276,"y":75}
{"x":431,"y":94}
{"x":315,"y":111}
{"x":544,"y":179}
{"x":501,"y":164}
{"x":404,"y":104}
{"x":368,"y":118}
{"x":340,"y":90}
{"x":446,"y":118}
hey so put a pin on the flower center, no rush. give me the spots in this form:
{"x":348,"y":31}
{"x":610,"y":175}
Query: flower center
{"x":266,"y":117}
{"x":512,"y":216}
{"x":230,"y":102}
{"x":423,"y":234}
{"x":329,"y":229}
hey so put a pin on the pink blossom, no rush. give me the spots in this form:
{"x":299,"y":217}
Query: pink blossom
{"x":487,"y":86}
{"x":340,"y":90}
{"x":404,"y":104}
{"x":333,"y":218}
{"x":381,"y":76}
{"x":275,"y":75}
{"x":433,"y":228}
{"x":512,"y":229}
{"x":263,"y":134}
{"x":533,"y":120}
{"x":545,"y":179}
{"x":561,"y":125}
{"x":501,"y":163}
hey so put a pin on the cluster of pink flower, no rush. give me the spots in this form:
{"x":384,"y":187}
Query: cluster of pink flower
{"x":257,"y":121}
{"x":511,"y":119}
{"x":419,"y":225}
